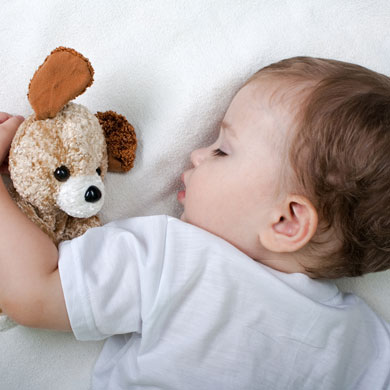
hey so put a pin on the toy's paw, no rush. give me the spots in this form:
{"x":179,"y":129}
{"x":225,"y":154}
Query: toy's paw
{"x":121,"y":141}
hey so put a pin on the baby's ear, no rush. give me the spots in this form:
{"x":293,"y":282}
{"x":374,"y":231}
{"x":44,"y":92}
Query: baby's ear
{"x":292,"y":227}
{"x":121,"y":141}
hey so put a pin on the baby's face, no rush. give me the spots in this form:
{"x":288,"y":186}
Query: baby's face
{"x":234,"y":183}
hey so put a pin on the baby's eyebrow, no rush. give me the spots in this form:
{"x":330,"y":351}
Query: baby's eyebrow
{"x":229,"y":128}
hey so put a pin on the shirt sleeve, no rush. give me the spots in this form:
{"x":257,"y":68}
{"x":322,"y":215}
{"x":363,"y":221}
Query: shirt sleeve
{"x":110,"y":276}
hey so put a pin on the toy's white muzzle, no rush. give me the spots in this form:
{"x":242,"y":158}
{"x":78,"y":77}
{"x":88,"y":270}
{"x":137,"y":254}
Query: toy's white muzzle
{"x":81,"y":196}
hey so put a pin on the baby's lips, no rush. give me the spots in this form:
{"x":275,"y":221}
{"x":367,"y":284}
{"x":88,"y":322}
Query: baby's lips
{"x":181,"y":195}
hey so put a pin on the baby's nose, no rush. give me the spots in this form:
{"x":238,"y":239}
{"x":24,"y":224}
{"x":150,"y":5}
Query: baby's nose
{"x":197,"y":156}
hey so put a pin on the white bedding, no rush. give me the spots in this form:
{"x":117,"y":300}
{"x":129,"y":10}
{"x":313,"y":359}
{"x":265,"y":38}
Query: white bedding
{"x":171,"y":67}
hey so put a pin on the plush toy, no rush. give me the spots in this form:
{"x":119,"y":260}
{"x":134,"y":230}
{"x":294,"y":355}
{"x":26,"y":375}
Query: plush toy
{"x":60,"y":155}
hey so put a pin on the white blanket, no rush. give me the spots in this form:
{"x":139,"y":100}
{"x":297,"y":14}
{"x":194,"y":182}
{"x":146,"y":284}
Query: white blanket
{"x":171,"y":67}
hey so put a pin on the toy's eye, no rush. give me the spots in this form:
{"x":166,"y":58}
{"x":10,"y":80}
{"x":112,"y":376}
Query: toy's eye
{"x":99,"y":171}
{"x":62,"y":173}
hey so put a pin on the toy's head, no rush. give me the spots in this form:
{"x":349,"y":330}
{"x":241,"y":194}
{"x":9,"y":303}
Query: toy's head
{"x":60,"y":155}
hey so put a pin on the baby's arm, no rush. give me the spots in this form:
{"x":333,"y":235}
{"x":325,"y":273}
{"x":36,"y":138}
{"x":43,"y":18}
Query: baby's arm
{"x":30,"y":287}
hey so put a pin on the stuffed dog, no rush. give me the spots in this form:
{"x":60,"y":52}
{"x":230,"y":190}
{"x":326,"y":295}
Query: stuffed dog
{"x":60,"y":155}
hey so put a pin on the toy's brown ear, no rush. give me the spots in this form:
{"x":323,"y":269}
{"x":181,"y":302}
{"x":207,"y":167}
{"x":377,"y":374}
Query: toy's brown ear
{"x":121,"y":141}
{"x":64,"y":75}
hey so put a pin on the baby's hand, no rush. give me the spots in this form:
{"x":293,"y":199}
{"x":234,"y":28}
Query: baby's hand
{"x":8,"y":126}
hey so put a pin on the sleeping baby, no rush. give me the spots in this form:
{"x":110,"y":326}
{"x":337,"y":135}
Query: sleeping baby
{"x":238,"y":292}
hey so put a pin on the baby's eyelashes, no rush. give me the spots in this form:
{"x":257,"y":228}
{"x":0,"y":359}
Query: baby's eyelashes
{"x":219,"y":152}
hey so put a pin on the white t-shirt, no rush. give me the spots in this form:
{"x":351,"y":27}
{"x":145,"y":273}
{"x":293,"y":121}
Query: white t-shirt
{"x":183,"y":309}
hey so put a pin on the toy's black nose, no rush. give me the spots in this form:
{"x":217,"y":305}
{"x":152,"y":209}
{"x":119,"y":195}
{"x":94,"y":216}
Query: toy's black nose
{"x":93,"y":194}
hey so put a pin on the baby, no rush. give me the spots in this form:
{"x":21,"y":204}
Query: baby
{"x":235,"y":295}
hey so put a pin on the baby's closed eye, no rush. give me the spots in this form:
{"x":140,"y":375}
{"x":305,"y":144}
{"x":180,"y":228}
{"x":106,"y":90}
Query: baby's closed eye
{"x":219,"y":152}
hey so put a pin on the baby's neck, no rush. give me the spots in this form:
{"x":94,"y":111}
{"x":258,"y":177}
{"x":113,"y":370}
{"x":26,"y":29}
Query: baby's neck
{"x":283,"y":262}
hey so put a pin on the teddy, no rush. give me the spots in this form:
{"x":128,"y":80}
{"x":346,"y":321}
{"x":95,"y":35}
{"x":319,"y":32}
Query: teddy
{"x":61,"y":153}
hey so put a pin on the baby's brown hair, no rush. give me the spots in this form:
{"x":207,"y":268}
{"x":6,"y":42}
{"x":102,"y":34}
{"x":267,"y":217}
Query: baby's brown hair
{"x":340,"y":153}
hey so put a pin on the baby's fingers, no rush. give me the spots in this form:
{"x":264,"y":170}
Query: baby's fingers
{"x":4,"y":116}
{"x":7,"y":132}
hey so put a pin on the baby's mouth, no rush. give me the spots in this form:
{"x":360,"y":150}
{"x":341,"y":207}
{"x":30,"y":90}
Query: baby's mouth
{"x":181,"y":194}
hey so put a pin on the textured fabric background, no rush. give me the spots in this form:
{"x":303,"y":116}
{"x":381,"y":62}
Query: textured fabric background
{"x":171,"y":67}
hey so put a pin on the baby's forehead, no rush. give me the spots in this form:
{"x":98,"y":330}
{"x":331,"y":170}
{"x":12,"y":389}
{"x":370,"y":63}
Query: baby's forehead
{"x":284,"y":93}
{"x":281,"y":98}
